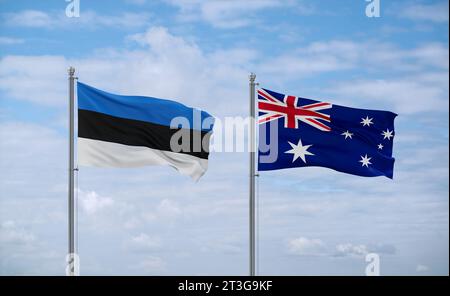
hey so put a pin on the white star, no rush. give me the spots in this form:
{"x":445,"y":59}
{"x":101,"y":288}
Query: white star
{"x":365,"y":161}
{"x":380,"y":146}
{"x":347,"y":134}
{"x":387,"y":134}
{"x":299,"y":151}
{"x":366,"y":121}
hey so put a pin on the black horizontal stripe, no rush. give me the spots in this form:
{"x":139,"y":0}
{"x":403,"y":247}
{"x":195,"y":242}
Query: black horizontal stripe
{"x":103,"y":127}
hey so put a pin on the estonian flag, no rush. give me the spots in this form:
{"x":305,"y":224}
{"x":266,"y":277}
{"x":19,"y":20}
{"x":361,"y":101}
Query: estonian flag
{"x":132,"y":131}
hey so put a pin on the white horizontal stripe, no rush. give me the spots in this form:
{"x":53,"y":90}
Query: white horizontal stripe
{"x":106,"y":154}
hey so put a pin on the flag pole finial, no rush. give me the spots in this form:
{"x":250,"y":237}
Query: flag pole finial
{"x":71,"y":71}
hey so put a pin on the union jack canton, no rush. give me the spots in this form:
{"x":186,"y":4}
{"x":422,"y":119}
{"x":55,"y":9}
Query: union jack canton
{"x":314,"y":133}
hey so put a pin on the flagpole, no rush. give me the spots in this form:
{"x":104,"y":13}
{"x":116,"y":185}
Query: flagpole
{"x":252,"y":141}
{"x":71,"y":201}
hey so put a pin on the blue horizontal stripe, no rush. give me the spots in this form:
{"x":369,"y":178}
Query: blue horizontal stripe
{"x":153,"y":110}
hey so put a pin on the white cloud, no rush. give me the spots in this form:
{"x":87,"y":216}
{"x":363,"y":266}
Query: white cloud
{"x":125,"y":20}
{"x":233,"y":14}
{"x":227,"y":245}
{"x":39,"y":79}
{"x":162,"y":42}
{"x":10,"y":40}
{"x":351,"y":250}
{"x":166,"y":66}
{"x":288,"y":64}
{"x":29,"y":18}
{"x":22,"y":253}
{"x":87,"y":19}
{"x":151,"y":264}
{"x":343,"y":55}
{"x":388,"y":249}
{"x":317,"y":247}
{"x":431,"y":54}
{"x":422,"y":268}
{"x":145,"y":242}
{"x":226,"y":14}
{"x":429,"y":92}
{"x":420,"y":72}
{"x":306,"y":246}
{"x":168,"y":208}
{"x":315,"y":58}
{"x":16,"y":158}
{"x":435,"y":12}
{"x":10,"y":233}
{"x":91,"y":202}
{"x":136,"y":2}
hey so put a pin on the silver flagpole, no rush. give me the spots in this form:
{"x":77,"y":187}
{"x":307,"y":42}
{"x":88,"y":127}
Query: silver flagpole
{"x":71,"y":204}
{"x":252,"y":140}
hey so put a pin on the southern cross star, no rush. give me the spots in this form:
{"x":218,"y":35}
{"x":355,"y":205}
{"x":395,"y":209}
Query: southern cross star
{"x":299,"y":151}
{"x":366,"y":121}
{"x":347,"y":134}
{"x":365,"y":161}
{"x":387,"y":134}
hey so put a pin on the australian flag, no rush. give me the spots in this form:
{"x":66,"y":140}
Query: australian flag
{"x":298,"y":132}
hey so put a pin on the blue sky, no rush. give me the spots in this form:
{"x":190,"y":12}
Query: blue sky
{"x":312,"y":221}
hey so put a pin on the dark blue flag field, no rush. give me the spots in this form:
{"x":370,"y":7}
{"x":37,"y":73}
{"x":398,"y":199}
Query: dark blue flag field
{"x":313,"y":133}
